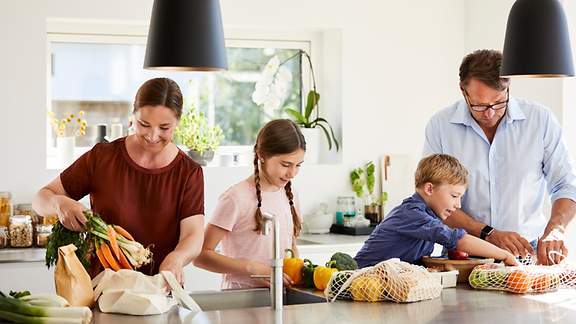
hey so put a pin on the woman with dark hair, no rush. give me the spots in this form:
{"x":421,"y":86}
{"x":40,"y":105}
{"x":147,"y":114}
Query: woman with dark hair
{"x":237,"y":220}
{"x":141,"y":182}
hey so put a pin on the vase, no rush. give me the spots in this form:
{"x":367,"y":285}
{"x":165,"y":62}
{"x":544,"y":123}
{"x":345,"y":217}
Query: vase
{"x":65,"y":150}
{"x":312,"y":137}
{"x":203,"y":158}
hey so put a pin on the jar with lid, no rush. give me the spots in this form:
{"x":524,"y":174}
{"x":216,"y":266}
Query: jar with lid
{"x":24,"y":209}
{"x":345,"y":209}
{"x":3,"y":237}
{"x":5,"y":208}
{"x":20,"y":231}
{"x":42,"y":233}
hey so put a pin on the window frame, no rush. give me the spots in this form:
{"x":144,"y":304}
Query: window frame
{"x":133,"y":33}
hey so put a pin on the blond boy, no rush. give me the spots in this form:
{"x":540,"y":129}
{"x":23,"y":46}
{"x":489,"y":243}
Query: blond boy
{"x":410,"y":230}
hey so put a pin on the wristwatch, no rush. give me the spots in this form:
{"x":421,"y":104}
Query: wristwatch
{"x":487,"y":230}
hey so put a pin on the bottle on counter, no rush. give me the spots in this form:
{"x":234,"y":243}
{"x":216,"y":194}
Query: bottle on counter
{"x":345,"y":209}
{"x":3,"y":237}
{"x":101,"y":130}
{"x":5,"y":208}
{"x":20,"y":231}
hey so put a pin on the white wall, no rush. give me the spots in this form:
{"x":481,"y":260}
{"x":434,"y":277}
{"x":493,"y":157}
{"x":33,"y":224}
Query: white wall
{"x":399,"y":63}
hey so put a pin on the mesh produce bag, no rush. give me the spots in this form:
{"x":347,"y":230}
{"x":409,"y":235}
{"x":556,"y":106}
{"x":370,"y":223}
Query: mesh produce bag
{"x":526,"y":278}
{"x":392,"y":280}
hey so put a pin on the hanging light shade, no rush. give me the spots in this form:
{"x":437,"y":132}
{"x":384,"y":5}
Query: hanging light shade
{"x":537,"y":41}
{"x":186,"y":35}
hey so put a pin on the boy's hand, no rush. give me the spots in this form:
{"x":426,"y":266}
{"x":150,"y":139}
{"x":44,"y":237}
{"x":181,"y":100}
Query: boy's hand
{"x":510,"y":259}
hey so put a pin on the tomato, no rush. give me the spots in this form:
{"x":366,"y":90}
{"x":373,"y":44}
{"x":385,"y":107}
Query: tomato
{"x":457,"y":255}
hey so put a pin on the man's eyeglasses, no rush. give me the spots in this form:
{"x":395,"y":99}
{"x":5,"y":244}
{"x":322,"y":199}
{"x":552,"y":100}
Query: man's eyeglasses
{"x":481,"y":108}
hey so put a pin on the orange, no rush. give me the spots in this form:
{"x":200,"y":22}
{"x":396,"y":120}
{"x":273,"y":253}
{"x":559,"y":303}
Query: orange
{"x":541,"y":283}
{"x":519,"y":282}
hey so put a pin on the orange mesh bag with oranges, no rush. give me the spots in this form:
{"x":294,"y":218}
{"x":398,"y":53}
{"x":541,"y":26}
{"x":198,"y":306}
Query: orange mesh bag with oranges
{"x":390,"y":280}
{"x":526,"y":278}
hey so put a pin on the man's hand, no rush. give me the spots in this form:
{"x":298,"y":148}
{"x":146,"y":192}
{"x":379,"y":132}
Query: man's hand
{"x":512,"y":242}
{"x":552,"y":241}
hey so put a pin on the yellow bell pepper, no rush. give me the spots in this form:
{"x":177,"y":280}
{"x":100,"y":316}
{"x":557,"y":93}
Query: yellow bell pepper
{"x":293,"y":266}
{"x":322,"y":275}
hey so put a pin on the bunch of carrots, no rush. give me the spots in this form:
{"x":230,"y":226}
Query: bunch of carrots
{"x":115,"y":248}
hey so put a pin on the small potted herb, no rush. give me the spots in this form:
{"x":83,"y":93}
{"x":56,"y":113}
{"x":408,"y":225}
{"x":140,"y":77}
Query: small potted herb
{"x":200,"y":138}
{"x":363,"y":180}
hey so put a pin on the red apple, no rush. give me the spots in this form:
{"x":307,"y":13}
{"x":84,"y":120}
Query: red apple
{"x":457,"y":255}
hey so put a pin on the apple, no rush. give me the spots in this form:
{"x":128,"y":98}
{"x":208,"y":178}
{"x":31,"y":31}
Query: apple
{"x":457,"y":255}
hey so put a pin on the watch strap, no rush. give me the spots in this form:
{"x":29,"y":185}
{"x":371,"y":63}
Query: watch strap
{"x":487,"y":230}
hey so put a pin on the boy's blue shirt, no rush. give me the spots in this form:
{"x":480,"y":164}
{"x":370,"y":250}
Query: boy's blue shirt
{"x":409,"y":233}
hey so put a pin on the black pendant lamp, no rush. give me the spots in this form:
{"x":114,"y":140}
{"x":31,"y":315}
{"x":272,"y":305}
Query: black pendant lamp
{"x":537,"y":41}
{"x":186,"y":35}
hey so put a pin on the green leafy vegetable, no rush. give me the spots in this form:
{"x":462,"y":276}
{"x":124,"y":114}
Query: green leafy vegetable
{"x":62,"y":236}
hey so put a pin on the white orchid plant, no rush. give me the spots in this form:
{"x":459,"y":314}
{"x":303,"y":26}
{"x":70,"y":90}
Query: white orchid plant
{"x":272,"y":89}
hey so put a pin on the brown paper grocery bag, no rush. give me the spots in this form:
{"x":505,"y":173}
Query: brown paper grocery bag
{"x":72,"y":281}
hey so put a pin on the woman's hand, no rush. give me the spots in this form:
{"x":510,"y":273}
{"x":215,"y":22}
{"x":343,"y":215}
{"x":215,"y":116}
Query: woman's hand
{"x":173,"y":263}
{"x":259,"y":269}
{"x":70,"y":213}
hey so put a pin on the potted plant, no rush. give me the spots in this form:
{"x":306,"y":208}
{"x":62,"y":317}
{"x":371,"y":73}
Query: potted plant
{"x":269,"y":90}
{"x":363,"y":180}
{"x":200,"y":138}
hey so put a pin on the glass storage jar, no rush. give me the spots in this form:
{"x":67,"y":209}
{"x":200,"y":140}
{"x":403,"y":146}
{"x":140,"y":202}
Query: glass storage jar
{"x":3,"y":237}
{"x":42,"y":233}
{"x":5,"y":208}
{"x":20,"y":231}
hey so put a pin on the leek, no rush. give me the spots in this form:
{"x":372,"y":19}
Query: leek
{"x":19,"y":310}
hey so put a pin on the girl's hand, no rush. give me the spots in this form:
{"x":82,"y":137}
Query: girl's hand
{"x":258,"y":270}
{"x":173,"y":263}
{"x":70,"y":213}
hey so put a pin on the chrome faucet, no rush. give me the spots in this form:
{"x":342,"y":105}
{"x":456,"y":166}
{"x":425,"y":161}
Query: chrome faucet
{"x":276,"y":279}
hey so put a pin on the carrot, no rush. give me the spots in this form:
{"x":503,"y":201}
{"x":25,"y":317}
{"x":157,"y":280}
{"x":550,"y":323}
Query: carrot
{"x":124,"y":263}
{"x":101,"y":258}
{"x":107,"y":253}
{"x":113,"y":241}
{"x":123,"y":232}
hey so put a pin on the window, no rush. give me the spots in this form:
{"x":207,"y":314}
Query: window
{"x":99,"y":75}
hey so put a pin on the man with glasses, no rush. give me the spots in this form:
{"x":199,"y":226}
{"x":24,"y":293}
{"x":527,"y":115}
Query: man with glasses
{"x":514,"y":151}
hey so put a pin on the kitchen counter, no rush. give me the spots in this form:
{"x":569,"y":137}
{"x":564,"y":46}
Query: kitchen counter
{"x":306,"y":242}
{"x":12,"y":255}
{"x":456,"y":305}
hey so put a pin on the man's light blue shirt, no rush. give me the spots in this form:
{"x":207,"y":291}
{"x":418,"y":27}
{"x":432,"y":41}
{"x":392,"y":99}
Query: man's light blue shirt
{"x":508,"y":178}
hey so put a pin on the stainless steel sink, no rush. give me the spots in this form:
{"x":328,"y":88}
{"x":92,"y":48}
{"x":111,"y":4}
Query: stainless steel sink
{"x":305,"y":242}
{"x":248,"y":298}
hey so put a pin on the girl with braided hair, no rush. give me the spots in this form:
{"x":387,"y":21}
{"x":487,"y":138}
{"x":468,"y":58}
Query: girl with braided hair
{"x":237,"y":221}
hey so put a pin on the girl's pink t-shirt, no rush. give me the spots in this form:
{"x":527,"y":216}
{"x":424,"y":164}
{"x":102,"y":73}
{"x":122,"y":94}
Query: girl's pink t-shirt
{"x":235,"y":213}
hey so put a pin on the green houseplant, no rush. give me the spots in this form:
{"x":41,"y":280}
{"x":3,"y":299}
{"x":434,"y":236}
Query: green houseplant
{"x":198,"y":136}
{"x":363,"y":179}
{"x":272,"y":82}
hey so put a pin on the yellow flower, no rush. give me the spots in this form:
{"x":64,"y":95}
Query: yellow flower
{"x":81,"y":113}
